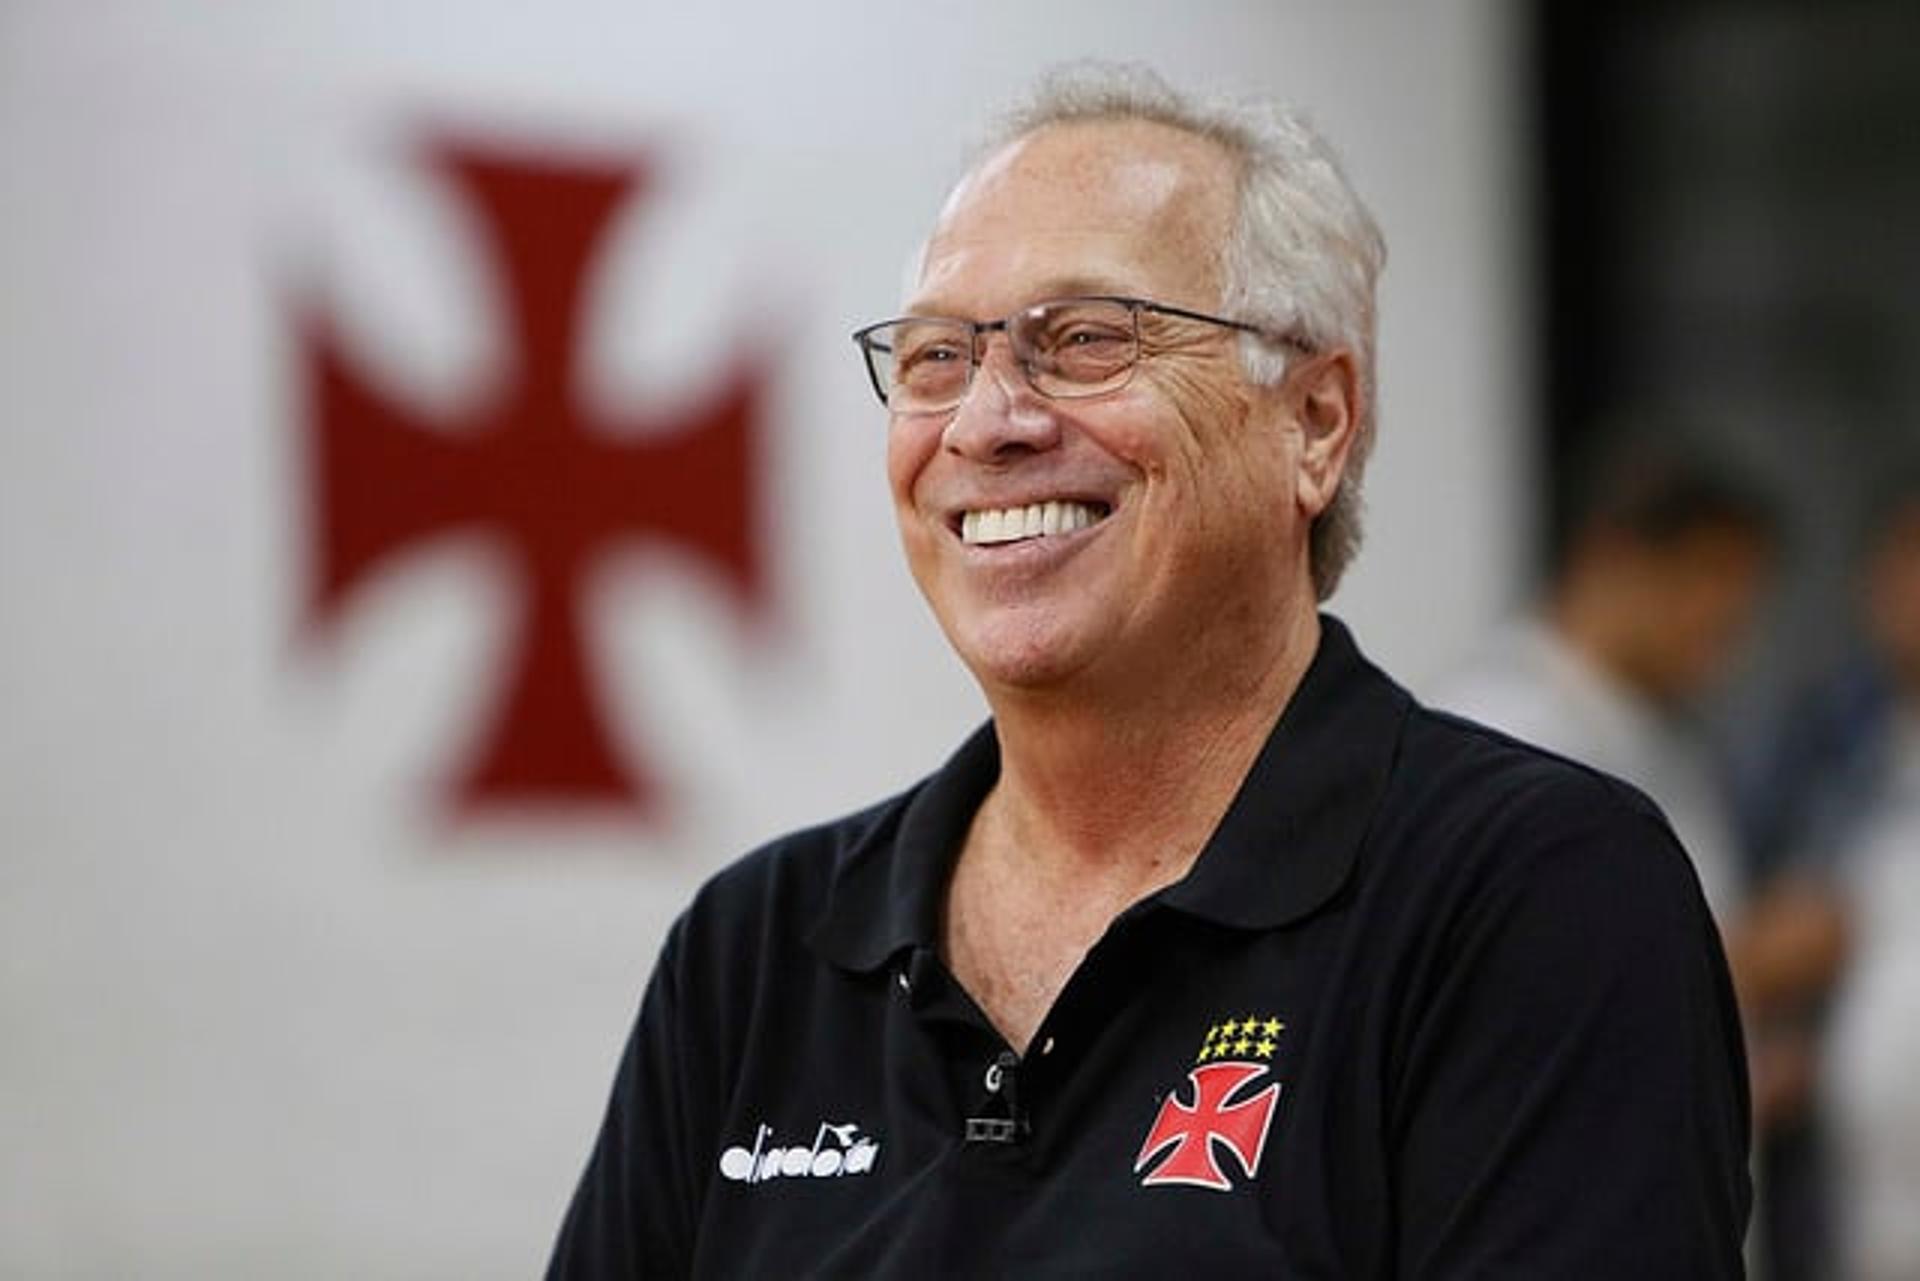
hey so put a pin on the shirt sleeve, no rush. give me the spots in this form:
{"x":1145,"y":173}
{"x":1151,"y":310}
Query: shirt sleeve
{"x":1572,"y":1102}
{"x":633,"y":1214}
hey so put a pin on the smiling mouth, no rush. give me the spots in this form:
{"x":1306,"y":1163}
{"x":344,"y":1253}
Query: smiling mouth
{"x":993,"y":525}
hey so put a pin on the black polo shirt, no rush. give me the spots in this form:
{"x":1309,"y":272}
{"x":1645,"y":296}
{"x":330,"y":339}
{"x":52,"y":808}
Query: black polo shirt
{"x":1431,"y":1003}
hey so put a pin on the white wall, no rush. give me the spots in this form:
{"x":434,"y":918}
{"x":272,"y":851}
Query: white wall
{"x":263,"y":1011}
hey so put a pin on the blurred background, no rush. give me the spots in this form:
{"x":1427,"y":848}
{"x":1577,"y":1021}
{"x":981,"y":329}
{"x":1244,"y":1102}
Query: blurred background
{"x":442,"y":521}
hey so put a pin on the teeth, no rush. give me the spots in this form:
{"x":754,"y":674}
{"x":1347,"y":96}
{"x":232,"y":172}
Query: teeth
{"x":1010,"y":524}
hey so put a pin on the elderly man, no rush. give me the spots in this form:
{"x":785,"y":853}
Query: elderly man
{"x":1213,"y":951}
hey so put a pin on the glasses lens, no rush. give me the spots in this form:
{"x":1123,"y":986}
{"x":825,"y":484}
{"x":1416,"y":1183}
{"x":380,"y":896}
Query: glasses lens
{"x":1078,"y":346}
{"x":923,"y":364}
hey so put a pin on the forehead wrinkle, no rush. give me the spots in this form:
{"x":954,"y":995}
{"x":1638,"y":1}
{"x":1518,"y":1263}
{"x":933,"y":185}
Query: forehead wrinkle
{"x":1148,"y":197}
{"x":1045,"y":288}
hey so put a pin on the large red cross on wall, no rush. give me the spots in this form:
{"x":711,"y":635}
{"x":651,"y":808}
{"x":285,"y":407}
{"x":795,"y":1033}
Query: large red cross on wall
{"x":551,"y":486}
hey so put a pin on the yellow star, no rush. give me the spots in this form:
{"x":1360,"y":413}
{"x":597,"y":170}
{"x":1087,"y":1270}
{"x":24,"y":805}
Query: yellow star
{"x":1213,"y":1032}
{"x":1249,"y":1025}
{"x":1272,"y":1027}
{"x":1242,"y":1045}
{"x":1228,"y":1029}
{"x":1264,"y":1048}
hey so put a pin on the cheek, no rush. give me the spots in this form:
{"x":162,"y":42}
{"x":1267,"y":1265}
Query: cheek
{"x":1227,"y":480}
{"x":1203,"y":422}
{"x":910,"y":447}
{"x":1245,"y":462}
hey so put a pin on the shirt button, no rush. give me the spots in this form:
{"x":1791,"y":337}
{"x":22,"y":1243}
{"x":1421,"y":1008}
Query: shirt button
{"x":994,"y":1075}
{"x":906,"y":985}
{"x":1046,"y":1047}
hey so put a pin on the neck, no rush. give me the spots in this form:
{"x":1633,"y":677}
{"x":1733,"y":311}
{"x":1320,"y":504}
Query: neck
{"x":1127,"y":787}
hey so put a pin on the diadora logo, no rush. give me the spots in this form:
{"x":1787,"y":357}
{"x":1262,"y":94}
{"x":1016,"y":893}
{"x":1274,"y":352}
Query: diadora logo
{"x":837,"y":1150}
{"x":1187,"y":1132}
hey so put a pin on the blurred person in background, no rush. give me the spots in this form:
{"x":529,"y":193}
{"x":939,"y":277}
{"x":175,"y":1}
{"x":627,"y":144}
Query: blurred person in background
{"x":1665,"y":560}
{"x":1846,"y":803}
{"x":1667,"y":554}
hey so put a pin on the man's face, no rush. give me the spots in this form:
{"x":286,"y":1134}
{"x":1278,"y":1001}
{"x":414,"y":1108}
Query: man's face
{"x":1701,"y":594}
{"x":1190,"y":476}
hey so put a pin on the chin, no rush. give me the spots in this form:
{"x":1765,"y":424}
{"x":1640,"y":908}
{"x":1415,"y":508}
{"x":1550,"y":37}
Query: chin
{"x":1016,"y":655}
{"x":1028,"y":674}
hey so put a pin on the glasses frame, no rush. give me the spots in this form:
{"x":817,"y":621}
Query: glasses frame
{"x":864,"y":338}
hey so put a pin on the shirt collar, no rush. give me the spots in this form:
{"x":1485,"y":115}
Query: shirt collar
{"x":1291,"y":836}
{"x":1284,"y":848}
{"x":887,"y":891}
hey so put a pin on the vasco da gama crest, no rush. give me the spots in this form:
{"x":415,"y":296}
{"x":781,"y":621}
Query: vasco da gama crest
{"x":1229,"y":1110}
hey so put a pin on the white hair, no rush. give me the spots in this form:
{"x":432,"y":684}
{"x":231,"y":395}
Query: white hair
{"x":1303,"y":256}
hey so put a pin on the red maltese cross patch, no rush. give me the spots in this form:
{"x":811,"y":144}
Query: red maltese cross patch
{"x":1228,"y":1113}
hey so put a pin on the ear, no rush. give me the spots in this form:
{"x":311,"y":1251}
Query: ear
{"x":1327,"y":407}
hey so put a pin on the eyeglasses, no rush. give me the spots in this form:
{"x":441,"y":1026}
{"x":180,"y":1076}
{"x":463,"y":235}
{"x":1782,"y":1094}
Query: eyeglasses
{"x":1066,"y":347}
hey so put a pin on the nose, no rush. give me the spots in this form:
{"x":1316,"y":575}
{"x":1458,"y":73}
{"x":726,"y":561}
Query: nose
{"x":1001,"y":416}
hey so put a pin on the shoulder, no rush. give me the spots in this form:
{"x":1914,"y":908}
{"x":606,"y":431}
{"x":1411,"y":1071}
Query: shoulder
{"x":1476,"y":810}
{"x":781,"y":887}
{"x":1452,"y":766}
{"x":1556,"y":1003}
{"x":740,"y":952}
{"x":1526,"y":890}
